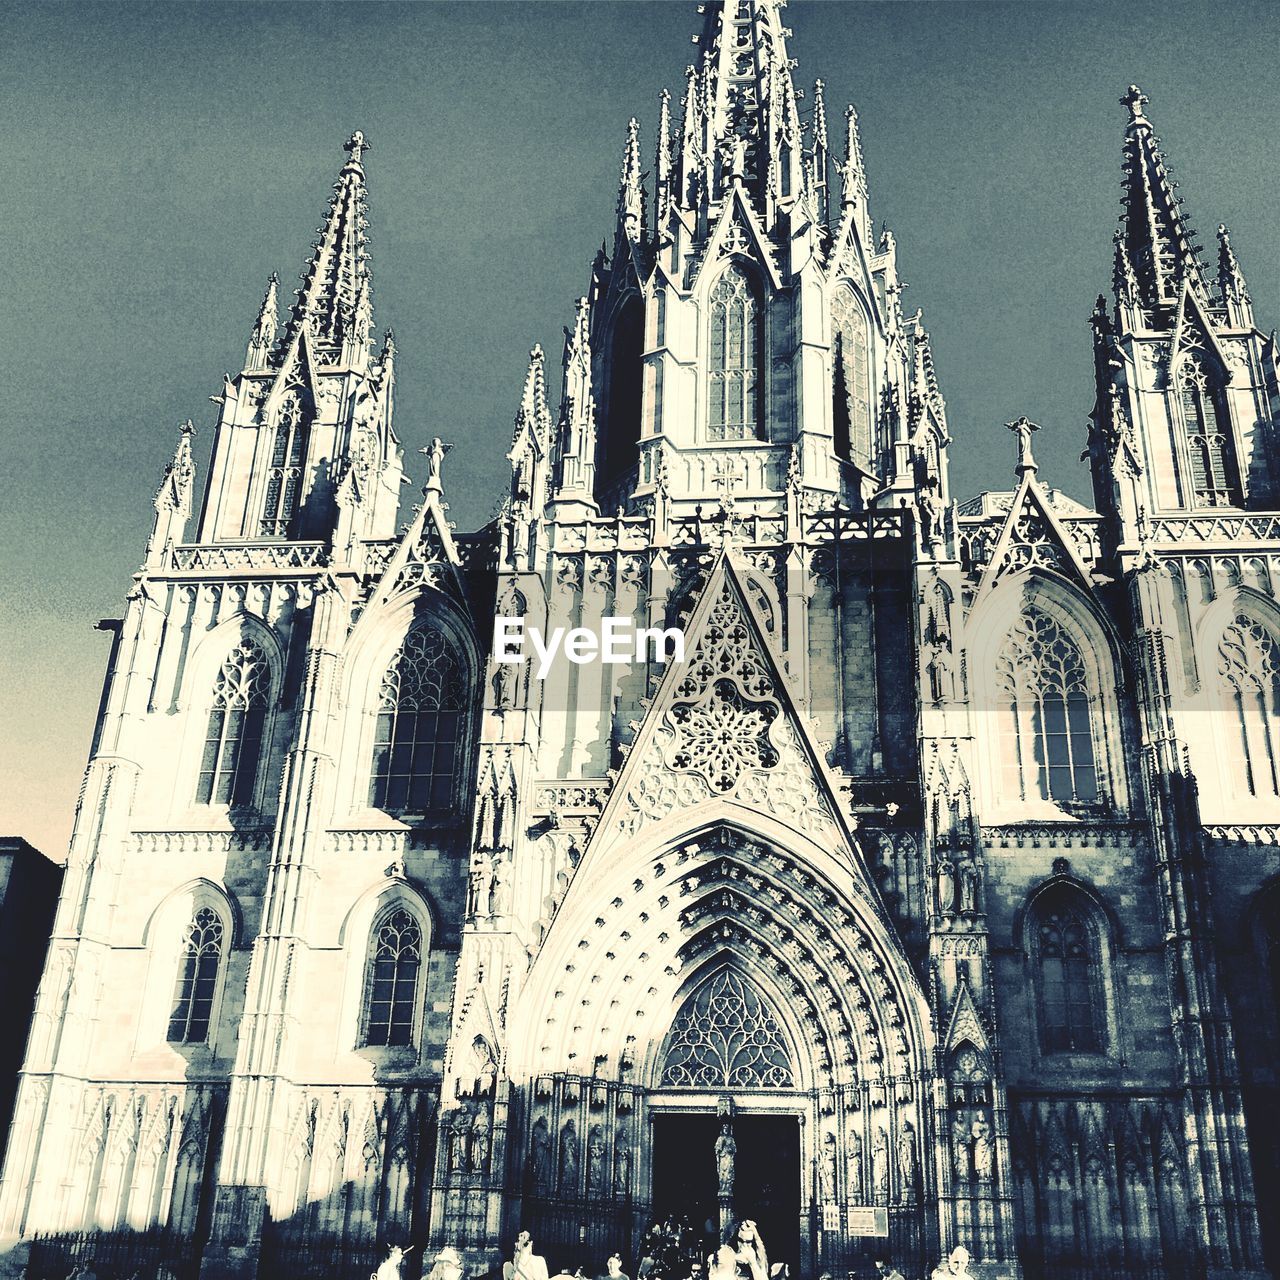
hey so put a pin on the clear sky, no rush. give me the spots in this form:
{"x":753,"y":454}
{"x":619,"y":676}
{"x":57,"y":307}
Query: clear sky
{"x":157,"y":162}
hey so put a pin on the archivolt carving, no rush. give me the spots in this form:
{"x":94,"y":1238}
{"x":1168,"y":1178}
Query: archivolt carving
{"x":713,"y":899}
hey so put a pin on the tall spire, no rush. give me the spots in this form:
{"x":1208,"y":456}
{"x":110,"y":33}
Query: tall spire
{"x":821,"y":153}
{"x":1231,"y":285}
{"x":264,"y":329}
{"x":741,"y":110}
{"x":631,"y":186}
{"x":1159,"y":244}
{"x":576,"y":436}
{"x":339,"y":264}
{"x":662,"y":162}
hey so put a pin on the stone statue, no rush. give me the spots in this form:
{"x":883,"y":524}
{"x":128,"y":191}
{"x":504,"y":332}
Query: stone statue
{"x":459,"y":1134}
{"x":960,"y":1148}
{"x":1023,"y":428}
{"x":933,"y":512}
{"x":478,"y":888}
{"x":480,"y":1141}
{"x":968,"y":887}
{"x":854,"y":1163}
{"x":435,"y":452}
{"x":907,"y":1158}
{"x":541,"y":1156}
{"x":827,"y":1167}
{"x":500,"y":889}
{"x":595,"y":1161}
{"x":983,"y":1152}
{"x":569,"y":1158}
{"x":621,"y":1166}
{"x":946,"y":886}
{"x":726,"y":1158}
{"x":880,"y":1164}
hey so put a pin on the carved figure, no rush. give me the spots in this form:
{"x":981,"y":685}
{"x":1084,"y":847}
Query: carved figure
{"x":880,"y":1164}
{"x":827,"y":1167}
{"x":907,"y":1158}
{"x":946,"y":886}
{"x":854,"y":1167}
{"x":621,"y":1166}
{"x":541,"y":1156}
{"x":983,"y":1151}
{"x":960,"y":1148}
{"x":459,"y":1134}
{"x":595,"y":1160}
{"x":500,"y":891}
{"x":726,"y":1158}
{"x":480,"y":1141}
{"x":968,"y":887}
{"x":569,"y":1158}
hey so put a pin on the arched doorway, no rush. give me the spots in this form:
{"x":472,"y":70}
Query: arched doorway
{"x":732,"y":976}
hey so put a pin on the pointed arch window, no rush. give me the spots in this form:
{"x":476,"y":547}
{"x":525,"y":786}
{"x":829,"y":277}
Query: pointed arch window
{"x":1249,"y":669}
{"x":233,"y":738}
{"x":197,"y":979}
{"x":284,"y":476}
{"x":850,"y":378}
{"x":727,"y":1037}
{"x":1069,"y":978}
{"x":736,"y":342}
{"x":418,"y":738}
{"x":1046,"y":715}
{"x":391,"y":991}
{"x":1206,"y":425}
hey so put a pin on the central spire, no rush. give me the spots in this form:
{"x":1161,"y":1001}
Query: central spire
{"x":334,"y":297}
{"x":741,"y":120}
{"x":1155,"y":244}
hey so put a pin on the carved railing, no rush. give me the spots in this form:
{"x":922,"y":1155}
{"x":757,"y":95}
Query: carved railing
{"x":1264,"y":527}
{"x":195,"y":842}
{"x":232,"y":557}
{"x":571,"y":797}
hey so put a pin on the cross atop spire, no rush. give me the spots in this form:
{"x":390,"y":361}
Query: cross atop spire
{"x":1157,"y":240}
{"x":339,"y":265}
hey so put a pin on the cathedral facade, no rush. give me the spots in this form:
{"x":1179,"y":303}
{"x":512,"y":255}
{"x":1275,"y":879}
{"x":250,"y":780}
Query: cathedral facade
{"x":932,"y":899}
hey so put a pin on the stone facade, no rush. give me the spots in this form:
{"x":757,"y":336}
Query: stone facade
{"x":943,"y":868}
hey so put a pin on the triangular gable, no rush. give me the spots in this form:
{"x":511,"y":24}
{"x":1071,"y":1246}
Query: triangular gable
{"x":426,"y":554}
{"x":297,"y":369}
{"x":1192,"y":328}
{"x":739,"y":232}
{"x":725,"y":725}
{"x":1033,"y":537}
{"x":965,"y":1025}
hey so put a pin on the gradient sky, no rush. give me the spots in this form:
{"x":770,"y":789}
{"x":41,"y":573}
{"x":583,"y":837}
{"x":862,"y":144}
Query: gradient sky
{"x":159,"y":161}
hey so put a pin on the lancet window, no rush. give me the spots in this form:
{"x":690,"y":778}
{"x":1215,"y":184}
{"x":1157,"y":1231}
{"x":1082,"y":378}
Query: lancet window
{"x":1207,"y":427}
{"x":284,"y":477}
{"x":1046,"y":715}
{"x":733,"y":410}
{"x":233,"y":738}
{"x":391,"y":988}
{"x":1249,"y":669}
{"x":418,"y":737}
{"x":197,"y":979}
{"x":1068,"y":973}
{"x":850,"y":378}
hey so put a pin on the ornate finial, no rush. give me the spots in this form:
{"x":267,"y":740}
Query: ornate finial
{"x":356,"y":146}
{"x":1024,"y":428}
{"x":1135,"y":100}
{"x":434,"y":452}
{"x":819,"y":114}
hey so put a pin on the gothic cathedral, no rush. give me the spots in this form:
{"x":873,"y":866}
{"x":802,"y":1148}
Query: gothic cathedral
{"x":933,"y":899}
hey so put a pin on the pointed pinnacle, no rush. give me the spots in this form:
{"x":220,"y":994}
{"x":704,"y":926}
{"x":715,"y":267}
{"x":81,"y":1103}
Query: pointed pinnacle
{"x":819,"y":114}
